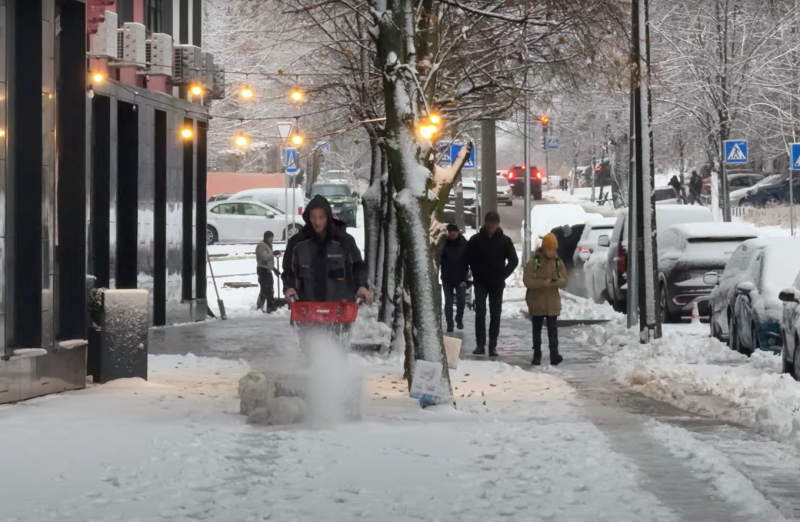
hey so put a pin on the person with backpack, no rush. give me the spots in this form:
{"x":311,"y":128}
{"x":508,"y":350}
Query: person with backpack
{"x":544,"y":276}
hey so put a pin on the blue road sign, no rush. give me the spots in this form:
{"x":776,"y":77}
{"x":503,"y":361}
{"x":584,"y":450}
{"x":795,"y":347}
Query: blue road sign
{"x":795,"y":156}
{"x":736,"y":151}
{"x":553,"y":142}
{"x":290,"y":160}
{"x":324,"y":146}
{"x":455,"y":150}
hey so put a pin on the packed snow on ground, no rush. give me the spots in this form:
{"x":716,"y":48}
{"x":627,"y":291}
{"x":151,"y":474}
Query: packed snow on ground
{"x":700,"y":374}
{"x":176,"y":448}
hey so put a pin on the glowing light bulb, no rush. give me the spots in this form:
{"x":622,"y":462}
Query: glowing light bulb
{"x":297,"y":140}
{"x":297,"y":96}
{"x":246,"y":93}
{"x":196,"y":89}
{"x":241,"y":140}
{"x":186,"y":133}
{"x":435,"y":119}
{"x":98,"y":78}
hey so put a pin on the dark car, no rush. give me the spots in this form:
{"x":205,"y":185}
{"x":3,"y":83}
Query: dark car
{"x":617,"y":244}
{"x":775,"y":193}
{"x":736,"y":181}
{"x":516,"y":178}
{"x":790,"y":327}
{"x":686,"y":253}
{"x":737,"y":270}
{"x":757,"y":312}
{"x":343,"y":200}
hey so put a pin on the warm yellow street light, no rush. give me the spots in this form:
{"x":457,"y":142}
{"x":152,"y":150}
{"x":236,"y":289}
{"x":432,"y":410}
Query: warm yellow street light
{"x":241,"y":140}
{"x":196,"y":89}
{"x":435,"y":119}
{"x":297,"y":140}
{"x":98,"y":78}
{"x":297,"y":95}
{"x":187,"y":133}
{"x":427,"y":131}
{"x":246,"y":93}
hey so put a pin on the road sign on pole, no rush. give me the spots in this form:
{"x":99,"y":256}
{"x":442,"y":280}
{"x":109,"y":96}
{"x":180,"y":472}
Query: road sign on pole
{"x":553,"y":142}
{"x":736,"y":152}
{"x":324,"y":146}
{"x":795,"y":156}
{"x":290,"y":160}
{"x":284,"y":131}
{"x":455,"y":150}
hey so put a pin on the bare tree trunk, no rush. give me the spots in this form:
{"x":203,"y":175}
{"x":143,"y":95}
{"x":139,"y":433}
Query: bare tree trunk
{"x":372,"y":209}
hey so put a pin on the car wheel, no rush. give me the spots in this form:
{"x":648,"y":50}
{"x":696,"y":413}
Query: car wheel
{"x":713,"y":326}
{"x":754,"y":337}
{"x":666,"y":315}
{"x":292,"y":230}
{"x":211,"y":235}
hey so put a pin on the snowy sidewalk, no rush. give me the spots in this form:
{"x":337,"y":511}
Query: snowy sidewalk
{"x":561,"y":444}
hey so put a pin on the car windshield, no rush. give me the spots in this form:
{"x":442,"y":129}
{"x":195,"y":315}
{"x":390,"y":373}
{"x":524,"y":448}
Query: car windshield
{"x":502,"y":182}
{"x":330,"y":190}
{"x":769,"y":180}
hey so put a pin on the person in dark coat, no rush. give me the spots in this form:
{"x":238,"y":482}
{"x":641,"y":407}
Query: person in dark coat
{"x":265,"y":268}
{"x":675,"y":183}
{"x":455,"y":273}
{"x":322,"y":261}
{"x":695,"y":188}
{"x":492,"y":257}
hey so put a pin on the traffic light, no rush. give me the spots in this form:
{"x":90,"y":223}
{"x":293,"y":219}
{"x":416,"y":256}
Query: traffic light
{"x":541,"y":142}
{"x":544,"y":120}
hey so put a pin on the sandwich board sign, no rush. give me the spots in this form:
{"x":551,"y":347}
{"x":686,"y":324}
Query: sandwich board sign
{"x":736,"y":152}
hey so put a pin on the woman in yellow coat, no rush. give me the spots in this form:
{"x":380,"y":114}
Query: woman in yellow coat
{"x":544,"y":275}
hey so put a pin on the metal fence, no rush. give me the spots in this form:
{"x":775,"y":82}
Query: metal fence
{"x":749,"y":212}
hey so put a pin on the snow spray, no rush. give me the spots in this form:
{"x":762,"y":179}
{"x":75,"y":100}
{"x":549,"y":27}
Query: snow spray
{"x":333,"y":385}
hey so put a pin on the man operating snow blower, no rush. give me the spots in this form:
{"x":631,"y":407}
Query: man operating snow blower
{"x":322,"y":261}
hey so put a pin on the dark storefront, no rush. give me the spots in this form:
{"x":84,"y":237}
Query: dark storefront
{"x":102,"y":183}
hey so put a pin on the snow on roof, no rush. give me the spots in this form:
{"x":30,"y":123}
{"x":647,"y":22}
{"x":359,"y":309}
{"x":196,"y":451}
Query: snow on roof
{"x":781,"y":263}
{"x":601,"y":222}
{"x":715,"y":230}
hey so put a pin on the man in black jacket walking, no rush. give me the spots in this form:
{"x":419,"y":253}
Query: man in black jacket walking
{"x":492,"y":257}
{"x":455,"y":271}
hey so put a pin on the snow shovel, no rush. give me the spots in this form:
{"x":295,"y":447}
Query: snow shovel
{"x":221,"y":305}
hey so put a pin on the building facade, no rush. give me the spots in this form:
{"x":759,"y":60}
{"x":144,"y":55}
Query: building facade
{"x":109,"y":182}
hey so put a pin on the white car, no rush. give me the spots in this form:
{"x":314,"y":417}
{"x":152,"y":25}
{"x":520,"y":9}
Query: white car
{"x":593,"y":266}
{"x":246,"y":222}
{"x":545,"y":218}
{"x":504,"y":194}
{"x":285,"y":200}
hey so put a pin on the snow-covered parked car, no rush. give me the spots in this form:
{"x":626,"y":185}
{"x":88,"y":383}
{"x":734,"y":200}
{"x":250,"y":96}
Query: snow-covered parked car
{"x":686,"y":253}
{"x":617,"y":245}
{"x":737,"y":270}
{"x":592,"y":272}
{"x":790,"y":329}
{"x":758,"y":310}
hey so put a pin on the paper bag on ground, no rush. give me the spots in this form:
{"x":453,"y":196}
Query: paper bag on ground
{"x":452,"y":346}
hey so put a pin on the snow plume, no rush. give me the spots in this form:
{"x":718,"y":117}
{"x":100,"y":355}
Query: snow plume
{"x":333,"y":391}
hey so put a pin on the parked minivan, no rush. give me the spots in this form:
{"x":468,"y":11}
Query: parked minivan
{"x":617,"y":244}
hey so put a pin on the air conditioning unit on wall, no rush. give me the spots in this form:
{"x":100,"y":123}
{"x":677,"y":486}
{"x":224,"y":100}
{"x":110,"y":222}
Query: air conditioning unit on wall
{"x":159,"y":55}
{"x":132,"y":45}
{"x":186,"y":65}
{"x":103,"y":44}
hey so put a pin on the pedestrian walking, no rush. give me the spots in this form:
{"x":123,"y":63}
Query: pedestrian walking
{"x":455,"y":273}
{"x":675,"y":183}
{"x":543,"y":276}
{"x":695,"y":188}
{"x":265,"y":268}
{"x":492,"y":258}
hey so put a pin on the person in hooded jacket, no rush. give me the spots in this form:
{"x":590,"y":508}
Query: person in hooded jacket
{"x":492,"y":257}
{"x":695,"y":188}
{"x":322,"y":262}
{"x":265,"y":267}
{"x":543,"y":276}
{"x":455,"y":273}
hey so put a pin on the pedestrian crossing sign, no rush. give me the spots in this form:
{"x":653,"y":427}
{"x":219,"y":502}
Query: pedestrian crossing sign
{"x":455,"y":150}
{"x":736,"y":151}
{"x":795,"y":156}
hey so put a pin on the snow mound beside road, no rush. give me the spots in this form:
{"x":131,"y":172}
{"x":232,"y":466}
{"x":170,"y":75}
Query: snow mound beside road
{"x":702,"y":375}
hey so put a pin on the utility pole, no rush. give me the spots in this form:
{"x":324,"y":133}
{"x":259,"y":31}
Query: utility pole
{"x":649,"y":303}
{"x":526,"y":204}
{"x":488,"y":185}
{"x":546,"y":181}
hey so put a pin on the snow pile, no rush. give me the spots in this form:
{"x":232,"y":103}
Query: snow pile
{"x":368,"y":330}
{"x":700,"y":374}
{"x":319,"y":387}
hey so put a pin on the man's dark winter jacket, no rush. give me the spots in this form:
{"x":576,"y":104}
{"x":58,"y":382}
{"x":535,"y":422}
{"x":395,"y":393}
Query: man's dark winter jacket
{"x":567,"y":245}
{"x":454,"y":265}
{"x":325,"y":269}
{"x":492,"y":259}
